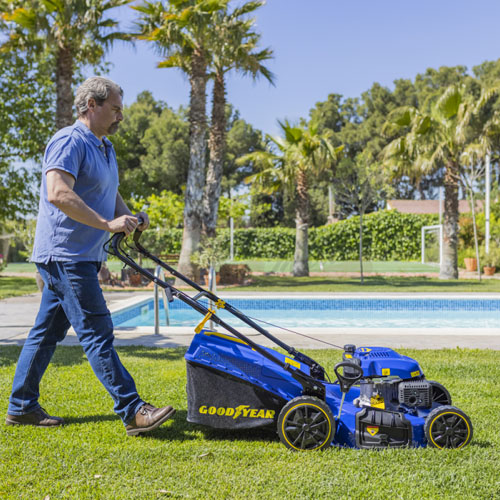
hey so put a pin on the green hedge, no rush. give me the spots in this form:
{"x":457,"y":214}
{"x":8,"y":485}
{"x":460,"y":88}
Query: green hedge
{"x":263,"y":243}
{"x":387,"y":235}
{"x":162,"y":241}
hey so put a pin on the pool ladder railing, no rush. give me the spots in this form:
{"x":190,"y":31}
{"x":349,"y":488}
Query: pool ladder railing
{"x":160,"y":275}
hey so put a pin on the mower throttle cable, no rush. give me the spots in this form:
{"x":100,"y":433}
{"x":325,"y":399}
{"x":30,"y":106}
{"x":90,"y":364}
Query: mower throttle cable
{"x":296,"y":333}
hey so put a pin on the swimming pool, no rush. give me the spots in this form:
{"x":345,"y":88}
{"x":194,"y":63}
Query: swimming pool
{"x":426,"y":312}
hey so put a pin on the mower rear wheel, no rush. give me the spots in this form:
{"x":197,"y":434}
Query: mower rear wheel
{"x":448,"y":427}
{"x":439,"y":393}
{"x":306,"y":423}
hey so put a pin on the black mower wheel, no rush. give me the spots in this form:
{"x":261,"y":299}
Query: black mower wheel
{"x":439,"y":393}
{"x":448,"y":427}
{"x":306,"y":423}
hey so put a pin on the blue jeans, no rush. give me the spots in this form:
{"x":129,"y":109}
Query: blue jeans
{"x":72,"y":296}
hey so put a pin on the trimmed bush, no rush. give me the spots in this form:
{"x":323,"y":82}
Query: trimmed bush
{"x":387,"y":235}
{"x":264,"y":243}
{"x":164,"y":241}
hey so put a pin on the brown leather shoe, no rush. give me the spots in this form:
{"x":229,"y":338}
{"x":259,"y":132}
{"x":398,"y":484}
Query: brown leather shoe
{"x":148,"y":418}
{"x":38,"y":418}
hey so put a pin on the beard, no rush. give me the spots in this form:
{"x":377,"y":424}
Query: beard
{"x":113,"y":128}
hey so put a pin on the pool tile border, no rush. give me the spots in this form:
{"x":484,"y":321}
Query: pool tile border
{"x":358,"y":303}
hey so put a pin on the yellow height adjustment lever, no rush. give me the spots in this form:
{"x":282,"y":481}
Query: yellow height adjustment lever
{"x":220,"y":305}
{"x":209,"y":314}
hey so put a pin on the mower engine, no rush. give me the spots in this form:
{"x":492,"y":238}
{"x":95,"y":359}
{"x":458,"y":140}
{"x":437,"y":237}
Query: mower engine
{"x":391,"y":381}
{"x":393,"y":393}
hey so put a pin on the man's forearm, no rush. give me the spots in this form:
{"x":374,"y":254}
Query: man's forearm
{"x":121,"y":207}
{"x":75,"y":208}
{"x":61,"y":194}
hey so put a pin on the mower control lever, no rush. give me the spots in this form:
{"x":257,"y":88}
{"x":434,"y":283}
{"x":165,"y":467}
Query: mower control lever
{"x":348,"y":378}
{"x":137,"y":232}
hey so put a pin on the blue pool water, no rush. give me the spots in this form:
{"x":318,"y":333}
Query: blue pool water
{"x":334,"y":313}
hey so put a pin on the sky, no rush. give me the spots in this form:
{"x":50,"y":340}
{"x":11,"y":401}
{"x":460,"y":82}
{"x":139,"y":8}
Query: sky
{"x":328,"y":46}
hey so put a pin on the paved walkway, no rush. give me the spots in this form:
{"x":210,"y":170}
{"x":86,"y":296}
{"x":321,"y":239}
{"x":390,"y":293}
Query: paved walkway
{"x":17,"y":315}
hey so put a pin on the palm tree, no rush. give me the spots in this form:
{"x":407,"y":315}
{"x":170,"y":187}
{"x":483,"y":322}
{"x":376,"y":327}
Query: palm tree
{"x":181,"y":32}
{"x":485,"y":131}
{"x":234,"y":46}
{"x":302,"y":152}
{"x":70,"y":32}
{"x":437,"y":140}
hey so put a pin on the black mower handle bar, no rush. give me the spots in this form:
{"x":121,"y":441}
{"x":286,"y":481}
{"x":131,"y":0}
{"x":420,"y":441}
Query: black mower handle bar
{"x":118,"y":237}
{"x":315,"y":367}
{"x":311,"y":383}
{"x":348,"y":378}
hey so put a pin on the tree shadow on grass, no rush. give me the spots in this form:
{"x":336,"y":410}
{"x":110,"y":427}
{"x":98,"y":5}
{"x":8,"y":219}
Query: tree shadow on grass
{"x":74,"y":355}
{"x":179,"y":429}
{"x":68,"y":356}
{"x":9,"y":354}
{"x":91,"y":418}
{"x":264,"y":434}
{"x":480,"y":444}
{"x":63,"y":355}
{"x":379,"y":281}
{"x":156,"y":353}
{"x":175,"y":429}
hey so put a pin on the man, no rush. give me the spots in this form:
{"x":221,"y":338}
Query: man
{"x":79,"y":205}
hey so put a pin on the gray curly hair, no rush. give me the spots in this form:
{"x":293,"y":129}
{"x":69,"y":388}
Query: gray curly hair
{"x":97,"y":88}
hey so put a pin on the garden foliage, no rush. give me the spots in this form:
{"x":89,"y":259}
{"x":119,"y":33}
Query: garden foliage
{"x":387,"y":235}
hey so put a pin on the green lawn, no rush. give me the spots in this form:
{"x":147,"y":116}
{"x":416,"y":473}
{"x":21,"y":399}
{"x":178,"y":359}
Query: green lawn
{"x":20,"y":267}
{"x":371,"y":284}
{"x":286,"y":266}
{"x":92,"y":458}
{"x":282,"y":266}
{"x":13,"y":286}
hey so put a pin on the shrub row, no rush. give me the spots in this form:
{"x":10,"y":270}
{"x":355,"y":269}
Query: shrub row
{"x":387,"y":235}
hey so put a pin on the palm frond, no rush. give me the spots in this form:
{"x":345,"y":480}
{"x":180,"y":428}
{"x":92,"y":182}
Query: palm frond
{"x":396,"y":148}
{"x":448,"y":103}
{"x":247,"y":8}
{"x":423,"y":124}
{"x":174,"y":61}
{"x":22,"y":16}
{"x":53,"y":5}
{"x":486,"y":95}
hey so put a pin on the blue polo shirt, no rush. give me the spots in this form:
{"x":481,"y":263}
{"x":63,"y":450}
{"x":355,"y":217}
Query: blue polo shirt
{"x":92,"y":163}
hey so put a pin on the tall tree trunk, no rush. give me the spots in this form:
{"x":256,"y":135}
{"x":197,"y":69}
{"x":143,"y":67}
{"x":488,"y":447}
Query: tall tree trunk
{"x":449,"y":266}
{"x":64,"y":92}
{"x":361,"y":246}
{"x":474,"y":225}
{"x":301,"y":258}
{"x":217,"y":147}
{"x":196,"y":172}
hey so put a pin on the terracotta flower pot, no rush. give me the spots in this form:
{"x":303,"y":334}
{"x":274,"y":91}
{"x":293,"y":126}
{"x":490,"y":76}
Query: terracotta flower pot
{"x":489,"y":270}
{"x":470,"y":264}
{"x":217,"y":279}
{"x":135,"y":279}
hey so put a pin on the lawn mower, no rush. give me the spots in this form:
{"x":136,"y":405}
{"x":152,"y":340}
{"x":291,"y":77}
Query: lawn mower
{"x":381,"y":399}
